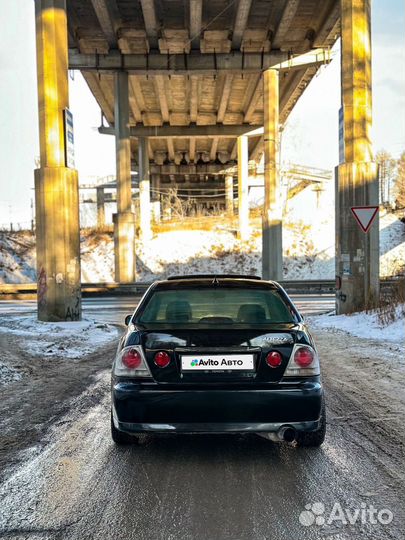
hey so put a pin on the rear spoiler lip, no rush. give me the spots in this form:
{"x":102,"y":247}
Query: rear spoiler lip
{"x":214,"y":276}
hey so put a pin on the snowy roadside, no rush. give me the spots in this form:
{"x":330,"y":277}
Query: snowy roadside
{"x":364,"y":325}
{"x":8,"y":374}
{"x":308,"y":252}
{"x":67,"y":340}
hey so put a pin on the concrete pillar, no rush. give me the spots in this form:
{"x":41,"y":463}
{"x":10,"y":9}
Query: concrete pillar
{"x":124,"y":220}
{"x":156,"y":207}
{"x":229,"y":194}
{"x":100,"y":207}
{"x":145,"y":229}
{"x":56,"y":185}
{"x":272,"y":253}
{"x":243,"y":187}
{"x":357,"y":253}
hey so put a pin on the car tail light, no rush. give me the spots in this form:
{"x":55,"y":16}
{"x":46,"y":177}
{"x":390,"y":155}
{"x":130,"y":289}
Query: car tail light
{"x":130,"y":362}
{"x":303,"y":362}
{"x":162,"y":359}
{"x":304,"y":356}
{"x":131,"y":359}
{"x":274,"y":359}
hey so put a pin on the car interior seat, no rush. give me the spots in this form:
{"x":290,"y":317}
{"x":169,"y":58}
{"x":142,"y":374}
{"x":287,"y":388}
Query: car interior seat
{"x":178,"y":311}
{"x":251,"y":313}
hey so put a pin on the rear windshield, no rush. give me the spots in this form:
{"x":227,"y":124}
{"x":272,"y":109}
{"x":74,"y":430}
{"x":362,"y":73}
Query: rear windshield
{"x":217,"y":306}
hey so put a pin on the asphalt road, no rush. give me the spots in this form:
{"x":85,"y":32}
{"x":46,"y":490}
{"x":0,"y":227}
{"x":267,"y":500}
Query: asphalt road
{"x":78,"y":485}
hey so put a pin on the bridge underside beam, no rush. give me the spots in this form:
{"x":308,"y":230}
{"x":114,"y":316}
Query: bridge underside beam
{"x":184,"y":132}
{"x":192,"y":168}
{"x":194,"y":63}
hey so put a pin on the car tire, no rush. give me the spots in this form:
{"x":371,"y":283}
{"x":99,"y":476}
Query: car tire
{"x":120,"y":437}
{"x":314,"y":438}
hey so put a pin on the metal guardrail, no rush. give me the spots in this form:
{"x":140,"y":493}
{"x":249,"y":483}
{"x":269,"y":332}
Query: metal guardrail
{"x":10,"y":291}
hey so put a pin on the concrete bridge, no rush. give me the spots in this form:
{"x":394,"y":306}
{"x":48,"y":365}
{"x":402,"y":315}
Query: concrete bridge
{"x":192,"y":86}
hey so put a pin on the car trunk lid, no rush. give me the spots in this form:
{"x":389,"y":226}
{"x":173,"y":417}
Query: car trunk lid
{"x":240,"y":353}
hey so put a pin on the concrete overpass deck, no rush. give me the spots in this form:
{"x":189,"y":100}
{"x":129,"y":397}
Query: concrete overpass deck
{"x":197,"y":64}
{"x":180,"y":82}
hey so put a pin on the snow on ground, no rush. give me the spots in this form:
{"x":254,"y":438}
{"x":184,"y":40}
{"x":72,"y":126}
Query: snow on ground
{"x":71,"y":340}
{"x":365,"y":325}
{"x":17,"y":257}
{"x":8,"y":374}
{"x":200,"y":251}
{"x":392,"y":245}
{"x":308,"y":251}
{"x":97,"y":258}
{"x":181,"y":252}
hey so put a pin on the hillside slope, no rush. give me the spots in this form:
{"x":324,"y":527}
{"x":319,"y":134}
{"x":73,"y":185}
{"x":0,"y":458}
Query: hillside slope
{"x":308,"y":252}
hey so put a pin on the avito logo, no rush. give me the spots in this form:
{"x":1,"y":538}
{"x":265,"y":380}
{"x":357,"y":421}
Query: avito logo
{"x":215,"y":363}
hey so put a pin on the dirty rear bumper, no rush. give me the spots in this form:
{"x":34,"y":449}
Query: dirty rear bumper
{"x":216,"y":427}
{"x":149,"y":407}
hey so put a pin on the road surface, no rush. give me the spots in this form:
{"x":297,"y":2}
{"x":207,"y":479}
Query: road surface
{"x":75,"y":484}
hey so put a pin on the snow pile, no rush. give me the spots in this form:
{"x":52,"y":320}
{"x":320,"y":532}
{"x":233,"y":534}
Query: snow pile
{"x":17,"y":257}
{"x":183,"y":252}
{"x":392,"y":245}
{"x":365,"y":325}
{"x":8,"y":375}
{"x":71,"y":340}
{"x":196,"y":252}
{"x":97,"y":258}
{"x":309,"y":251}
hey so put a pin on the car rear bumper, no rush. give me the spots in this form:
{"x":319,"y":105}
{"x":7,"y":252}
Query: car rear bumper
{"x":139,"y":407}
{"x":216,"y":427}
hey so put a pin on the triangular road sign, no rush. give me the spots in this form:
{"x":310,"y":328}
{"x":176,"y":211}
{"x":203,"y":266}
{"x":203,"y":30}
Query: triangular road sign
{"x":364,"y":216}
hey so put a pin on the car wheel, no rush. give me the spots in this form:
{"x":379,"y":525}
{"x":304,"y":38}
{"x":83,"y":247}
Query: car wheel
{"x":120,"y":437}
{"x":314,"y":438}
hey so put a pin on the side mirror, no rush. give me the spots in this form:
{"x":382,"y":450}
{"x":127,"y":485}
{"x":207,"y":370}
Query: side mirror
{"x":128,"y":319}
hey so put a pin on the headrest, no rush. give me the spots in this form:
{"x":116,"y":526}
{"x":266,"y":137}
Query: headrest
{"x":251,"y":313}
{"x":178,"y":311}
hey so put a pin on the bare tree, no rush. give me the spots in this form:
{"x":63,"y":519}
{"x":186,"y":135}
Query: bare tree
{"x":387,"y":172}
{"x":180,"y":207}
{"x":399,"y":187}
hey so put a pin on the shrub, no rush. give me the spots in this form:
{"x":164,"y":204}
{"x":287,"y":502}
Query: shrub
{"x":392,"y":303}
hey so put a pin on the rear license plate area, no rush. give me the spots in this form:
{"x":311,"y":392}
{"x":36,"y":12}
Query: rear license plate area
{"x":217,"y":363}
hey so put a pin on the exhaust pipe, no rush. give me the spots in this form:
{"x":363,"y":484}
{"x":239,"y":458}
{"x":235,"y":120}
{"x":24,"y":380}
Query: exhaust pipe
{"x":287,"y":434}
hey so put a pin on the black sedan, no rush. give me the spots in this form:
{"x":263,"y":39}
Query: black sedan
{"x":217,"y":354}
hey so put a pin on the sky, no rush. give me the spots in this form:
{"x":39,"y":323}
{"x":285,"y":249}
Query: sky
{"x":310,"y":136}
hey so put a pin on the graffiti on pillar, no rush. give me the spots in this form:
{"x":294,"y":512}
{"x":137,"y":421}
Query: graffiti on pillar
{"x":342,"y":297}
{"x":73,"y":311}
{"x":72,"y":271}
{"x":72,"y":314}
{"x":42,"y":287}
